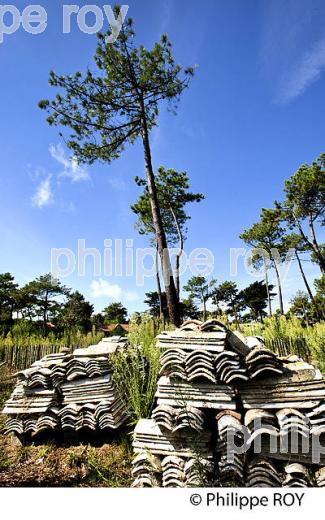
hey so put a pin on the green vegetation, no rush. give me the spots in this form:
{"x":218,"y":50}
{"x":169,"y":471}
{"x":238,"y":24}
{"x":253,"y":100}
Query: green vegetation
{"x":173,"y":196}
{"x":136,"y":369}
{"x":290,"y":330}
{"x":19,"y":350}
{"x":115,"y":313}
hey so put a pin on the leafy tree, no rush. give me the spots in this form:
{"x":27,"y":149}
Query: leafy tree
{"x":300,"y":305}
{"x":267,"y":235}
{"x":115,"y":313}
{"x":8,"y":298}
{"x":227,"y":292}
{"x":76,"y":313}
{"x":296,"y":242}
{"x":42,"y":294}
{"x":97,"y":320}
{"x":157,"y":304}
{"x":320,"y":285}
{"x":199,"y":288}
{"x":173,"y":195}
{"x":304,"y":204}
{"x":112,"y":107}
{"x":255,"y":297}
{"x":189,"y":311}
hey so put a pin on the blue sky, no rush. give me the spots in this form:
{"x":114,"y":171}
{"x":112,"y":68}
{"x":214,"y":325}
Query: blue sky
{"x":254,"y":112}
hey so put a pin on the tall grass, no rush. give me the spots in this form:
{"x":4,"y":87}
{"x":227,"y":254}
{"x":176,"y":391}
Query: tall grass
{"x":291,"y":329}
{"x":135,"y":370}
{"x":20,"y":350}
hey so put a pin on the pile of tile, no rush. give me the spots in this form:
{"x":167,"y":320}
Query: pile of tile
{"x":173,"y":363}
{"x":146,"y":470}
{"x":296,"y":475}
{"x":261,"y":362}
{"x":173,"y":474}
{"x":320,"y":477}
{"x":67,"y":392}
{"x":229,"y":368}
{"x":317,"y":419}
{"x":218,"y":390}
{"x":199,"y":365}
{"x":199,"y":395}
{"x":261,"y":472}
{"x":148,"y":435}
{"x":231,"y":466}
{"x":174,"y":419}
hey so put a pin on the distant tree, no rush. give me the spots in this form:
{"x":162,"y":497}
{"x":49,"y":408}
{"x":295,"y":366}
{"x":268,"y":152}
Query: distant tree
{"x":112,"y":107}
{"x":320,"y":285}
{"x":8,"y":298}
{"x":115,"y":313}
{"x":173,"y":195}
{"x":267,"y":235}
{"x":76,"y":313}
{"x":296,"y":242}
{"x":189,"y":311}
{"x":300,"y":306}
{"x":201,"y":289}
{"x":304,"y":204}
{"x":42,"y":294}
{"x":157,"y":304}
{"x":227,"y":292}
{"x":255,"y":298}
{"x":97,"y":320}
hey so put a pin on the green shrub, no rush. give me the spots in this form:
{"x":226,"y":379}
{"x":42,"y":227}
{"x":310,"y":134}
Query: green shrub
{"x":136,"y":369}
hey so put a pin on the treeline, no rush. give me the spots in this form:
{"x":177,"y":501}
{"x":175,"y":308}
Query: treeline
{"x":226,"y":299}
{"x":288,"y":232}
{"x":46,"y":305}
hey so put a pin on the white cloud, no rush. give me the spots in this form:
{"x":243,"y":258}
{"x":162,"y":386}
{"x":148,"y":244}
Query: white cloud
{"x":117,"y":184}
{"x":72,"y":169}
{"x":303,"y":74}
{"x":43,"y":195}
{"x":292,"y":47}
{"x":101,"y":288}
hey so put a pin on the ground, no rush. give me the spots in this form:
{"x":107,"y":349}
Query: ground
{"x":53,"y":465}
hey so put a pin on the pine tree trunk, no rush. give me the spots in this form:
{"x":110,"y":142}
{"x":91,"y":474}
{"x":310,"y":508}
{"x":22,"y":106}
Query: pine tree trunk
{"x":178,"y":256}
{"x":279,"y":289}
{"x":311,"y":296}
{"x":236,"y":315}
{"x":161,"y":312}
{"x":267,"y":289}
{"x":316,"y":249}
{"x":313,"y":245}
{"x":204,"y":309}
{"x":170,"y":290}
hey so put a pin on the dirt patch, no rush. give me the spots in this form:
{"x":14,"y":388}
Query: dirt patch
{"x":50,"y":465}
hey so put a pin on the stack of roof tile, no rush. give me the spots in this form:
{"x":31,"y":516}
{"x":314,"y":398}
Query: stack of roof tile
{"x":200,"y":395}
{"x":67,"y":391}
{"x":149,"y":436}
{"x":293,"y":422}
{"x":261,"y":472}
{"x":146,"y":470}
{"x":199,"y":366}
{"x":296,"y":475}
{"x":320,"y":477}
{"x":173,"y":363}
{"x":231,"y":465}
{"x":261,"y":362}
{"x":317,"y":419}
{"x":210,"y":376}
{"x":229,"y":368}
{"x":173,"y":474}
